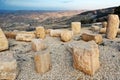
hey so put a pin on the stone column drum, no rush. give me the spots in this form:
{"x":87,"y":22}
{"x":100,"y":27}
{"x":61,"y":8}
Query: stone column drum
{"x":112,"y":27}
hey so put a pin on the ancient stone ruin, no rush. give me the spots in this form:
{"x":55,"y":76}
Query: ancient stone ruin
{"x":96,"y":37}
{"x":112,"y":26}
{"x":85,"y":51}
{"x":25,"y":36}
{"x":66,"y":36}
{"x":42,"y":61}
{"x":8,"y":66}
{"x":76,"y":27}
{"x":85,"y":56}
{"x":40,"y":32}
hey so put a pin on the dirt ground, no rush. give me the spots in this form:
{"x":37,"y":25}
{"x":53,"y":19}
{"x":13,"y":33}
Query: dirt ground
{"x":62,"y":62}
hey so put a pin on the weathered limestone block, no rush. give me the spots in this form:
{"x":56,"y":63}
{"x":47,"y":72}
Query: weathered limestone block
{"x":86,"y":57}
{"x":38,"y":45}
{"x":11,"y":35}
{"x":102,"y":30}
{"x":104,"y":24}
{"x":95,"y":28}
{"x":42,"y":61}
{"x":56,"y":33}
{"x":112,"y":27}
{"x":40,"y":32}
{"x":25,"y":36}
{"x":76,"y":27}
{"x":88,"y":37}
{"x":66,"y":35}
{"x":8,"y":66}
{"x":3,"y":41}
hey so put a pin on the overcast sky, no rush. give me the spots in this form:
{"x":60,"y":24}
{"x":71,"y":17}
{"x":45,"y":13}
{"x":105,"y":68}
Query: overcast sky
{"x":56,"y":4}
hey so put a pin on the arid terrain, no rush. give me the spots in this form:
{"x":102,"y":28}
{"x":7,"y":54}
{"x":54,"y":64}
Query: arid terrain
{"x":28,"y":20}
{"x":62,"y":61}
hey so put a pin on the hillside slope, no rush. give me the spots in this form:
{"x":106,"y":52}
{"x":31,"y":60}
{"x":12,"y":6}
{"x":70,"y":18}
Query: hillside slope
{"x":92,"y":16}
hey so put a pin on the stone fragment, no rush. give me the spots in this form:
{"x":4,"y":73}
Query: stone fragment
{"x":112,"y":27}
{"x":96,"y":37}
{"x":25,"y":36}
{"x":104,"y":24}
{"x":55,"y":33}
{"x":10,"y":34}
{"x":3,"y":41}
{"x":40,"y":32}
{"x":102,"y":31}
{"x":85,"y":56}
{"x":48,"y":31}
{"x":95,"y":28}
{"x":42,"y":61}
{"x":66,"y":36}
{"x":76,"y":27}
{"x":8,"y":66}
{"x":38,"y":45}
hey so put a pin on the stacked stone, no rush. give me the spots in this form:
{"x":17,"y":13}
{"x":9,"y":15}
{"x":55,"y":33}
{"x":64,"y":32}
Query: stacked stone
{"x":42,"y":56}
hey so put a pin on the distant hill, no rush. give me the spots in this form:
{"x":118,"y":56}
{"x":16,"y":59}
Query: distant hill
{"x":91,"y":16}
{"x":28,"y":20}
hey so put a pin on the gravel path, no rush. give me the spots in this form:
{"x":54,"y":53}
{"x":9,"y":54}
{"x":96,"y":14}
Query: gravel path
{"x":62,"y":68}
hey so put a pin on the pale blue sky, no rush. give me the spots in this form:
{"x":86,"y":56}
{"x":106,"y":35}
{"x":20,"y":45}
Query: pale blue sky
{"x":57,"y":4}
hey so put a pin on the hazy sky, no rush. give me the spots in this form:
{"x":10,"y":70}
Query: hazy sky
{"x":56,"y":4}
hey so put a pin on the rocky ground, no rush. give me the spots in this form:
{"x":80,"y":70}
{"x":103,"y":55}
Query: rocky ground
{"x":62,"y":61}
